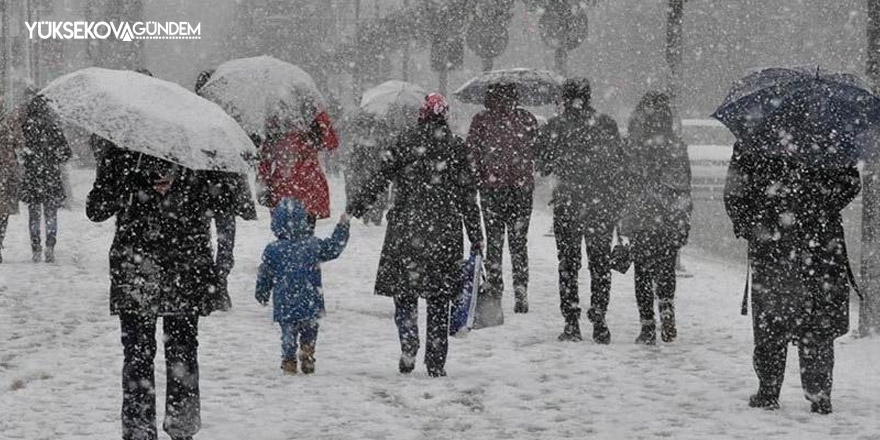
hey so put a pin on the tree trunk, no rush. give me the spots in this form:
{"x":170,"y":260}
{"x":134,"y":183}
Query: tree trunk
{"x":869,"y":310}
{"x":674,"y":49}
{"x":561,"y":61}
{"x":488,"y":64}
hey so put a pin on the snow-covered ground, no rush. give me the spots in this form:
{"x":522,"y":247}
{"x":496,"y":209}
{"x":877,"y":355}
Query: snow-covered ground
{"x":60,"y":359}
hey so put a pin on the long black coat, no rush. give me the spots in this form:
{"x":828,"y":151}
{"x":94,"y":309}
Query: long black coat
{"x":44,"y":153}
{"x":436,"y":193}
{"x":161,"y":261}
{"x":582,"y":148}
{"x":790,"y":216}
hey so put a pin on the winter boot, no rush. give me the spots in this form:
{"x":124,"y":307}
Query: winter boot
{"x":572,"y":331}
{"x":488,"y":312}
{"x":601,"y":333}
{"x":436,"y":371}
{"x":522,"y":301}
{"x":763,"y":401}
{"x":289,"y":366}
{"x":307,"y":358}
{"x":648,"y":335}
{"x":668,"y":333}
{"x":406,"y":364}
{"x":821,"y":406}
{"x":37,"y":254}
{"x":49,"y":256}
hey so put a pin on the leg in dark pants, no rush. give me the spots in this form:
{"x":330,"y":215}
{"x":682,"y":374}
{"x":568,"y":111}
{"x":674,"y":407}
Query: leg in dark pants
{"x":138,"y":380}
{"x":568,"y":230}
{"x":406,"y":317}
{"x":35,"y":214}
{"x":517,"y":239}
{"x":4,"y":221}
{"x":493,"y":202}
{"x":817,"y":364}
{"x":437,"y":339}
{"x":182,"y":401}
{"x":772,"y":331}
{"x":50,"y":214}
{"x":599,"y":254}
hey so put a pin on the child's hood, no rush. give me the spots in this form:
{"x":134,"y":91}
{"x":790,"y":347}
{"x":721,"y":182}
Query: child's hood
{"x":290,"y":220}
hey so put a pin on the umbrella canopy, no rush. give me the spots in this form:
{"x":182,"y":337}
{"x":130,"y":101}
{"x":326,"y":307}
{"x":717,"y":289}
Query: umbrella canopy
{"x":801,"y":113}
{"x":396,"y":102}
{"x":265,"y":94}
{"x":158,"y":118}
{"x":534,"y":87}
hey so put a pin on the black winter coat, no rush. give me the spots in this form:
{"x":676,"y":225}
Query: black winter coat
{"x":44,"y":153}
{"x":788,"y":211}
{"x":583,"y":150}
{"x":435,"y":193}
{"x":161,"y":261}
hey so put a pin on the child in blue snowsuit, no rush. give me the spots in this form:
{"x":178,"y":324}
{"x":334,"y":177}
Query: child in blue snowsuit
{"x":291,"y":274}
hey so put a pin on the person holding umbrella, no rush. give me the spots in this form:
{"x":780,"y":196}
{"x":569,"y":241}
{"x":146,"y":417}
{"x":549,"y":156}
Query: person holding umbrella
{"x":582,"y":148}
{"x":11,"y":140}
{"x":501,"y":139}
{"x":421,"y":258}
{"x":792,"y":172}
{"x":657,"y":212}
{"x":155,"y":179}
{"x":44,"y":154}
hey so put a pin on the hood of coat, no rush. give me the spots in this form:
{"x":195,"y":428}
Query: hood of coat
{"x":290,"y":220}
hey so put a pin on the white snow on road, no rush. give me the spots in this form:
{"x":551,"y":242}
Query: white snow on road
{"x":60,"y":358}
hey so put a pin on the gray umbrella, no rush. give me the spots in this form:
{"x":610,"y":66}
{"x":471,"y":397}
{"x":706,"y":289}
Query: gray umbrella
{"x":534,"y":87}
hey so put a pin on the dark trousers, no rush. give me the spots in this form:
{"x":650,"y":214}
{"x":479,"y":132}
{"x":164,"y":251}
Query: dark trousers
{"x":654,"y":260}
{"x":296,"y":333}
{"x":507,"y":210}
{"x":4,"y":221}
{"x":406,"y":316}
{"x":778,"y":295}
{"x":43,"y":213}
{"x":570,"y":230}
{"x":182,"y":402}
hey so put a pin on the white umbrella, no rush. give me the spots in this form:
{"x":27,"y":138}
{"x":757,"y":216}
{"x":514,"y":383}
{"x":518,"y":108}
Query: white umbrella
{"x":394,"y":99}
{"x":534,"y":87}
{"x":147,"y":115}
{"x":263,"y":90}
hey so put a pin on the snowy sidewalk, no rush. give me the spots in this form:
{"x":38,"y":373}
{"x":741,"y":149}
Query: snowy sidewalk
{"x":60,"y":358}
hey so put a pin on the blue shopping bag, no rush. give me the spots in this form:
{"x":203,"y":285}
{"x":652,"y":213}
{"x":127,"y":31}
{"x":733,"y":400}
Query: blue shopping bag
{"x":461,"y":316}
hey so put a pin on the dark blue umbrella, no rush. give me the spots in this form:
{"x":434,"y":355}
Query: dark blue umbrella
{"x":801,"y":113}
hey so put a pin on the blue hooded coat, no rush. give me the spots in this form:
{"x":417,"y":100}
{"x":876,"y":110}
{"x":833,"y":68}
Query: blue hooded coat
{"x":290,"y":271}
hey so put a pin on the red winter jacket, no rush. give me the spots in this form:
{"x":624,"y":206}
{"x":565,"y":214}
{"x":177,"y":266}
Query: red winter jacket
{"x":289,"y":168}
{"x":502,"y":143}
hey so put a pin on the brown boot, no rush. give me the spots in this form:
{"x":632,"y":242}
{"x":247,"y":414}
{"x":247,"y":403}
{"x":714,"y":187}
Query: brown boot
{"x":307,"y":357}
{"x":289,"y":366}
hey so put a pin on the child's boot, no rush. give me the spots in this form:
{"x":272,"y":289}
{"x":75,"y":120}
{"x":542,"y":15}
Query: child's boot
{"x":289,"y":366}
{"x":307,"y":358}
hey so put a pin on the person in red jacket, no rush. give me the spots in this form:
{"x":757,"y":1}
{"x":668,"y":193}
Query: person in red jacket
{"x":289,"y":167}
{"x":501,"y":139}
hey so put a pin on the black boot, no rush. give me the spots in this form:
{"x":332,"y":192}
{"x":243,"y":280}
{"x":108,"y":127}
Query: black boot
{"x":406,"y":364}
{"x":648,"y":335}
{"x":601,"y":333}
{"x":763,"y":401}
{"x":522,"y":301}
{"x":668,"y":332}
{"x":572,"y":331}
{"x":821,"y":406}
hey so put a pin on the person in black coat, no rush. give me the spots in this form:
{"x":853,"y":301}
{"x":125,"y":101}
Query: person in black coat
{"x":44,"y":154}
{"x":790,"y":214}
{"x":657,"y":212}
{"x":423,"y":250}
{"x":161,"y":265}
{"x":582,"y":148}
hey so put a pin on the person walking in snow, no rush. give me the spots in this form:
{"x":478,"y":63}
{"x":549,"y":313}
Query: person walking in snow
{"x":161,"y":266}
{"x":11,"y":139}
{"x":290,"y":273}
{"x":582,"y":148}
{"x":657,"y":213}
{"x":790,"y":213}
{"x":44,"y":154}
{"x":435,"y":195}
{"x":234,"y":187}
{"x":501,"y":139}
{"x":289,"y":167}
{"x":363,"y":159}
